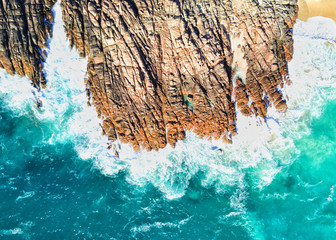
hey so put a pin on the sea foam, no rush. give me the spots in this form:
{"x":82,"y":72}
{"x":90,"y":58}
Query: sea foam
{"x":260,"y":150}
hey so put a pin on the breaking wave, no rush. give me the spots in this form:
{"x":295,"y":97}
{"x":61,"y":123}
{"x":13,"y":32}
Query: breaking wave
{"x":258,"y":153}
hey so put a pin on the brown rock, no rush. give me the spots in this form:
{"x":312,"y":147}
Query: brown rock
{"x":158,"y":68}
{"x":25,"y":27}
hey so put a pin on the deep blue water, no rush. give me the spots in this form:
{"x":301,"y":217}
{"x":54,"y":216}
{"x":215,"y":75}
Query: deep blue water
{"x":48,"y":192}
{"x":58,"y":181}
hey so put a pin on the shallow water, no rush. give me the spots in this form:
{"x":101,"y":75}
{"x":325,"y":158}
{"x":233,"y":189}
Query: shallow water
{"x":277,"y":181}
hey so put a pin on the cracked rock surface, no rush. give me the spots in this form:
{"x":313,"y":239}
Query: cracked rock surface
{"x":25,"y":27}
{"x":157,"y":68}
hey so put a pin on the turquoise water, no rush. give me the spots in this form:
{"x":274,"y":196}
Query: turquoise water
{"x":277,"y":181}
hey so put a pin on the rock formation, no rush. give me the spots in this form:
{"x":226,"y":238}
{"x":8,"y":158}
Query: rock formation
{"x":158,"y":68}
{"x":25,"y":27}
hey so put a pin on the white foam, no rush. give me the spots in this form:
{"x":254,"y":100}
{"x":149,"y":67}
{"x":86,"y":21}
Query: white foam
{"x":9,"y":232}
{"x":16,"y":91}
{"x":158,"y":225}
{"x":316,"y":27}
{"x":64,"y":102}
{"x":258,"y":152}
{"x":25,"y":195}
{"x":332,"y":194}
{"x":66,"y":73}
{"x":262,"y":148}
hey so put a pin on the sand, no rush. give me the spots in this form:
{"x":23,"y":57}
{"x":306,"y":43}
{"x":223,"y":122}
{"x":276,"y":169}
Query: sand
{"x":312,"y":8}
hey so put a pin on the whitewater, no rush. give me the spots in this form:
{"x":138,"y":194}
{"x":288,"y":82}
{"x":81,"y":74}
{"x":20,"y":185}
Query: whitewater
{"x":59,"y":180}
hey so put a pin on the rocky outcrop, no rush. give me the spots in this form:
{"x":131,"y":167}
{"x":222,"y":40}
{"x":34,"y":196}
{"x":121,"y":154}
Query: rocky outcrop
{"x":158,"y":68}
{"x":25,"y":27}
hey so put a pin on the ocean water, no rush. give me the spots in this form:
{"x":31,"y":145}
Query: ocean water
{"x":276,"y":181}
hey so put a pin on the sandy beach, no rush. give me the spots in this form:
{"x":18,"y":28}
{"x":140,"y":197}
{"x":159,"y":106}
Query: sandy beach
{"x":312,"y":8}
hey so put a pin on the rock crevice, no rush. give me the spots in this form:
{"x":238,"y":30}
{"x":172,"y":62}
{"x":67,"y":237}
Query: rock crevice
{"x":25,"y":29}
{"x":158,"y":68}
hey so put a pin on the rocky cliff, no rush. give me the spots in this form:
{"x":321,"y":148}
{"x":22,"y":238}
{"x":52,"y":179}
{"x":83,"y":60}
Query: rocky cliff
{"x":25,"y":27}
{"x":158,"y":68}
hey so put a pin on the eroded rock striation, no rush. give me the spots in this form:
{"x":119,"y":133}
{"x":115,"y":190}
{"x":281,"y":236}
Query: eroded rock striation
{"x":159,"y":68}
{"x":25,"y":27}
